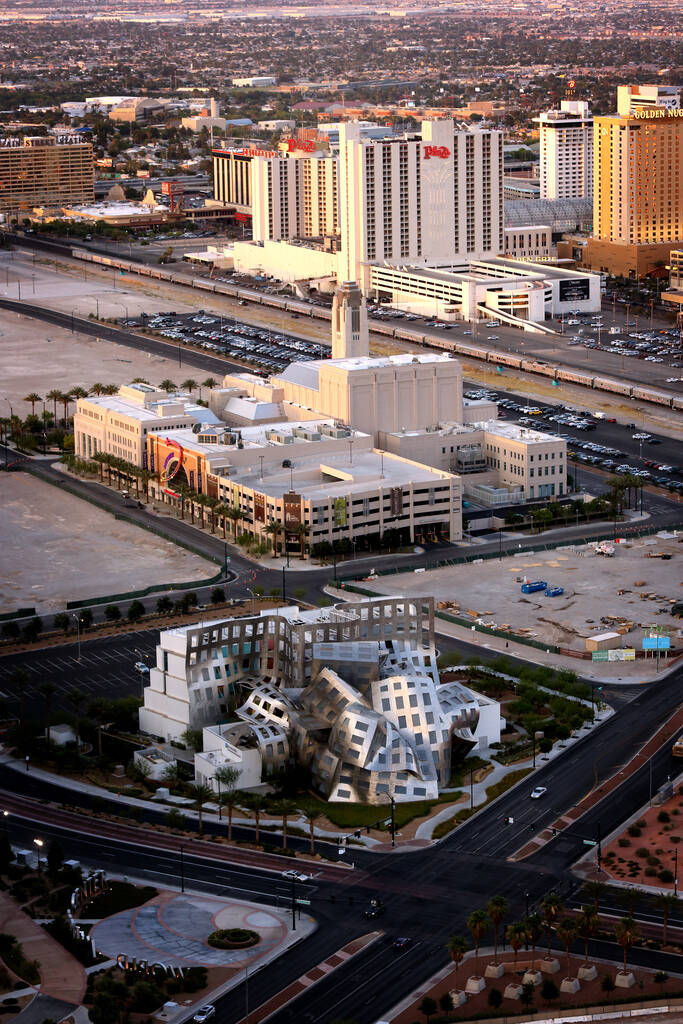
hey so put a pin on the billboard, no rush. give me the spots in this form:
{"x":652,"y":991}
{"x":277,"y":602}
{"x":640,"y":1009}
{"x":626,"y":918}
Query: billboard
{"x":340,"y":511}
{"x":656,"y":643}
{"x":396,"y":501}
{"x":575,"y":290}
{"x":259,"y":508}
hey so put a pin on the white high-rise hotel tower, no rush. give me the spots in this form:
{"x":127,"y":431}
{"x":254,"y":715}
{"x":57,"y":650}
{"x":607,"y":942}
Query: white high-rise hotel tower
{"x":566,"y":137}
{"x":432,"y":198}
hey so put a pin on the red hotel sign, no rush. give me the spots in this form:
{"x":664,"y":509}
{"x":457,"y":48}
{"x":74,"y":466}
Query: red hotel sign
{"x":307,"y":145}
{"x":442,"y":152}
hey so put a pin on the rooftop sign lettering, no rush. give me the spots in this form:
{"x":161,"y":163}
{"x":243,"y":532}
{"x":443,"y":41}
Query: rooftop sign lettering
{"x":657,"y":112}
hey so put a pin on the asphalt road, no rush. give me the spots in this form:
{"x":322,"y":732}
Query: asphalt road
{"x":429,"y":894}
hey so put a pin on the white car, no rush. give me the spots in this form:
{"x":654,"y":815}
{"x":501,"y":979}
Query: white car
{"x":295,"y":876}
{"x":537,"y":793}
{"x":142,"y":668}
{"x":204,"y":1013}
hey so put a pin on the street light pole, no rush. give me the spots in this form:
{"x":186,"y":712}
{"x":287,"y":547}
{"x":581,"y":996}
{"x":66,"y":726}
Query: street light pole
{"x":284,"y":581}
{"x":78,"y":634}
{"x":182,"y":868}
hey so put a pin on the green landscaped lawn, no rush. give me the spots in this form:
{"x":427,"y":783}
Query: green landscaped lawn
{"x":351,"y":816}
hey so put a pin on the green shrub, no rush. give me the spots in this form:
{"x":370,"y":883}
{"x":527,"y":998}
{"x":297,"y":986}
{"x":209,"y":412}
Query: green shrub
{"x":233,"y":938}
{"x":634,"y":830}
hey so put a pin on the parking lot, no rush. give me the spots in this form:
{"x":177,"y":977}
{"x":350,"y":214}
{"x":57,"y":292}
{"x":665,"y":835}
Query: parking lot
{"x":637,"y":456}
{"x":266,"y":350}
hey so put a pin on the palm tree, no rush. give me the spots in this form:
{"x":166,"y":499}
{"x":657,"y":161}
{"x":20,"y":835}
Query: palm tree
{"x":95,"y":389}
{"x":594,"y":890}
{"x":226,"y":778}
{"x":274,"y":527}
{"x":516,"y":934}
{"x":78,"y":392}
{"x":667,"y":902}
{"x":54,"y":396}
{"x":586,"y":926}
{"x":311,"y":817}
{"x":229,"y":800}
{"x":534,"y":928}
{"x":167,"y":385}
{"x":286,"y":808}
{"x":566,"y":933}
{"x":110,"y":389}
{"x":210,"y":382}
{"x":552,"y":907}
{"x":65,"y":398}
{"x":33,"y":397}
{"x":257,"y":804}
{"x":76,"y":698}
{"x":478,"y":924}
{"x":234,"y":514}
{"x":626,"y":933}
{"x":496,"y":908}
{"x":47,"y":689}
{"x":201,"y":795}
{"x":457,"y":947}
{"x":189,"y":385}
{"x":631,"y":898}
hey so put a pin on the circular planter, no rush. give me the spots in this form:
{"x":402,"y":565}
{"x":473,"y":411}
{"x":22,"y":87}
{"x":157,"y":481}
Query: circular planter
{"x":233,"y":938}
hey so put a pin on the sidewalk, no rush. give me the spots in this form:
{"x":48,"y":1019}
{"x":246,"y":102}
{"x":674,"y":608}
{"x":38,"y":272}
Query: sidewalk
{"x":61,"y":975}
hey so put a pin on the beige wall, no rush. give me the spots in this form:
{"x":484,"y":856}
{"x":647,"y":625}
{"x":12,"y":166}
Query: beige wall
{"x":100,"y":429}
{"x":540,"y":467}
{"x":626,"y":260}
{"x":390,"y":397}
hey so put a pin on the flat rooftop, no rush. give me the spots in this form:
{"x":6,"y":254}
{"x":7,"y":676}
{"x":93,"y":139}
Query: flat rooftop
{"x":336,"y":475}
{"x":513,"y":432}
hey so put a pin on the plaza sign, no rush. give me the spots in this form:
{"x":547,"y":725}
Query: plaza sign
{"x":442,"y":152}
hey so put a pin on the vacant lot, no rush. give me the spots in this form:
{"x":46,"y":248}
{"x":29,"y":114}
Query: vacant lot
{"x":57,"y":548}
{"x":489,"y":592}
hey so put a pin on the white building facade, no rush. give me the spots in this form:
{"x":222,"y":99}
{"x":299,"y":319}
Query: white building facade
{"x":425,"y":198}
{"x":566,"y":137}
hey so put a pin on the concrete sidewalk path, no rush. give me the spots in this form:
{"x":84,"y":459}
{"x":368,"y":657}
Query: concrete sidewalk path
{"x":61,"y":975}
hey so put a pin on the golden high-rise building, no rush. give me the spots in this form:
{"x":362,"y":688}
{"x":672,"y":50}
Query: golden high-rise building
{"x":44,"y":171}
{"x":638,"y":168}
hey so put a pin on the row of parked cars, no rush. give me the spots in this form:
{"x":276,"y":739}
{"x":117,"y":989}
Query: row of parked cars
{"x":268,"y":350}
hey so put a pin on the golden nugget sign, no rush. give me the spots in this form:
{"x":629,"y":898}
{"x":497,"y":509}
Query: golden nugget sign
{"x":656,"y":113}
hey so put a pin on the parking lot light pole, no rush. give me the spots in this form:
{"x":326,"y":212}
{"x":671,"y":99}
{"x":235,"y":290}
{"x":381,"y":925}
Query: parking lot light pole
{"x":77,"y":620}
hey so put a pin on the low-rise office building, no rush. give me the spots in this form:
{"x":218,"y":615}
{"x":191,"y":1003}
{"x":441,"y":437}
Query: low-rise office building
{"x":527,"y":464}
{"x":120,"y":424}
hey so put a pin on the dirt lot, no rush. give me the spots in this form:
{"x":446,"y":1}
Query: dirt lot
{"x":648,"y":846}
{"x":57,"y":548}
{"x":489,"y":592}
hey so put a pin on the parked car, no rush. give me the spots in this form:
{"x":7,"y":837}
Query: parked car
{"x":204,"y":1013}
{"x":554,"y":592}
